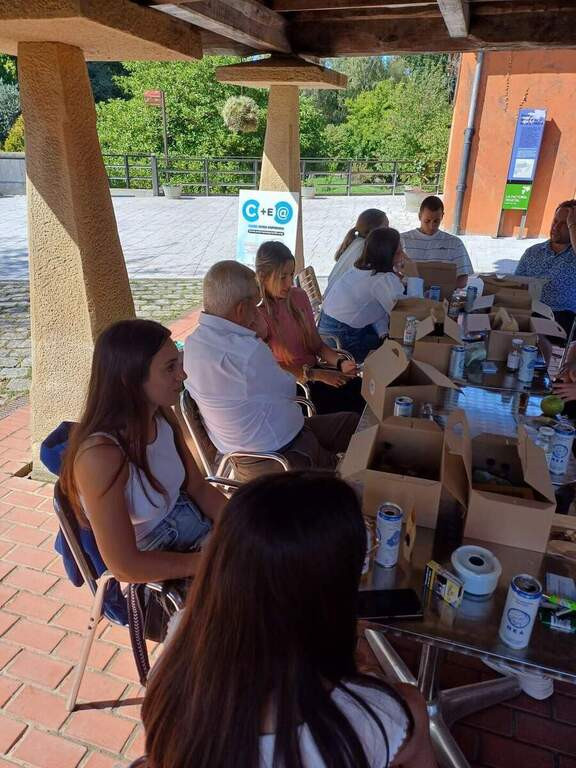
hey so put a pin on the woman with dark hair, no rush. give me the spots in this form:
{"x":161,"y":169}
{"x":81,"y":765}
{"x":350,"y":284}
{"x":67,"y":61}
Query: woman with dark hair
{"x":261,"y":668}
{"x":287,"y":325}
{"x":351,"y":247}
{"x":127,"y":470}
{"x":358,"y":306}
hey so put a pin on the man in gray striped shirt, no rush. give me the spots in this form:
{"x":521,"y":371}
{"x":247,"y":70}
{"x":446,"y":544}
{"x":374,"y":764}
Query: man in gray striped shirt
{"x":429,"y":243}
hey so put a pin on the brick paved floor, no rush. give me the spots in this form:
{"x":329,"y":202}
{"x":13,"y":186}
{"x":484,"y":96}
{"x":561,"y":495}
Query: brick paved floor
{"x":42,"y":617}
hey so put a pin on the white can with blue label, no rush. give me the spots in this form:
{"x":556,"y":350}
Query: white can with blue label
{"x":527,"y":363}
{"x":389,"y":526}
{"x":522,"y":603}
{"x":561,"y":448}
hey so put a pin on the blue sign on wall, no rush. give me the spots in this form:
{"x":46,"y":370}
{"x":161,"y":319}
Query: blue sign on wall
{"x":527,"y":142}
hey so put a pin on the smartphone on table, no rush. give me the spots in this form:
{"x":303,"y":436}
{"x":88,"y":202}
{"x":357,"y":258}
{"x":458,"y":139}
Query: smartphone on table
{"x":378,"y":604}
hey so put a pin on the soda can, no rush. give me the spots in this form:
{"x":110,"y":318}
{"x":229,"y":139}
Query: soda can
{"x":561,"y":448}
{"x":545,"y":440}
{"x":389,"y":527}
{"x":434,"y":293}
{"x":457,"y":363}
{"x":471,"y":296}
{"x":410,"y":331}
{"x":520,"y":611}
{"x":527,"y":362}
{"x":403,"y":406}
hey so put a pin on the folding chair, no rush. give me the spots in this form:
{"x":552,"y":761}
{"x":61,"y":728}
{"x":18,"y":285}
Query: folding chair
{"x":207,"y":456}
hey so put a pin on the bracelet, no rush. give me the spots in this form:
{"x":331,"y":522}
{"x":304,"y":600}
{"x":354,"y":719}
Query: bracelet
{"x":339,"y":363}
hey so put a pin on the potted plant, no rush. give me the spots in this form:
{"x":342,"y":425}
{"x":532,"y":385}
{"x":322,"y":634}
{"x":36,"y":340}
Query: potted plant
{"x":307,"y":188}
{"x":240,"y":113}
{"x":172,"y":191}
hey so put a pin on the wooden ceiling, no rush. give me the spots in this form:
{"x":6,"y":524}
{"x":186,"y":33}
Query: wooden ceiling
{"x":330,"y":28}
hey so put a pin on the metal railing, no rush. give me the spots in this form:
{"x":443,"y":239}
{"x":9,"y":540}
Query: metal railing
{"x":227,"y":175}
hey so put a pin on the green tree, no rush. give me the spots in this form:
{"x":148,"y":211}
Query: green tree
{"x":15,"y":139}
{"x":8,"y":72}
{"x":9,"y":108}
{"x":102,"y":78}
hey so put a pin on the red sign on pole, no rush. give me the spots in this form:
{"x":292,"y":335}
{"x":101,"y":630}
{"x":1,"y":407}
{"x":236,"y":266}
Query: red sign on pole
{"x":154,"y":98}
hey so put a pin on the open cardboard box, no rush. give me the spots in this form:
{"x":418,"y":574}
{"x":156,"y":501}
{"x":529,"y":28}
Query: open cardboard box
{"x":506,"y":286}
{"x":418,"y":308}
{"x":389,"y":374}
{"x":523,"y":304}
{"x":518,"y":515}
{"x":500,"y":342}
{"x":435,"y":350}
{"x":381,"y":456}
{"x":439,"y":273}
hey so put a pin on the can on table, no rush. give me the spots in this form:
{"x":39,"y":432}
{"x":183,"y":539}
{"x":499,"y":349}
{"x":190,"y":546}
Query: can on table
{"x":513,"y":359}
{"x":561,"y":447}
{"x":389,"y":527}
{"x":545,"y":440}
{"x":520,"y":611}
{"x":434,"y":293}
{"x":403,"y":406}
{"x":471,"y":296}
{"x":410,"y":331}
{"x":457,"y":363}
{"x":527,"y":362}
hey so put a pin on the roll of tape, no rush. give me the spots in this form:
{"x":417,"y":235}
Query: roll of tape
{"x":478,"y":568}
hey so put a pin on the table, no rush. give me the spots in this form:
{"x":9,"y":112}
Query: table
{"x":472,"y":629}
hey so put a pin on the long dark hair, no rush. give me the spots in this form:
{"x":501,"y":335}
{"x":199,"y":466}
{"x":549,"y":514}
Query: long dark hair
{"x":116,"y":402}
{"x":270,"y":626}
{"x":368,"y":220}
{"x":379,"y":250}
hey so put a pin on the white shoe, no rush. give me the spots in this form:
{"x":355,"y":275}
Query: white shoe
{"x":532,"y":683}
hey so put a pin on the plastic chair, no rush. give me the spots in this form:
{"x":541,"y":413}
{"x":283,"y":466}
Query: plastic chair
{"x":205,"y":452}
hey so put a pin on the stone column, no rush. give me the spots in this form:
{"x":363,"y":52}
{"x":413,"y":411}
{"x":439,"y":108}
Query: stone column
{"x":281,"y":157}
{"x":78,"y":278}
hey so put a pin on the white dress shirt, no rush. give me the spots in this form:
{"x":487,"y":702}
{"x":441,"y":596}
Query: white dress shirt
{"x":360,"y":298}
{"x":245,"y":398}
{"x":441,"y":246}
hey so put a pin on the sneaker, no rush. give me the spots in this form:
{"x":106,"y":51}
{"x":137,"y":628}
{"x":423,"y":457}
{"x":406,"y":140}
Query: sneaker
{"x":533,"y":684}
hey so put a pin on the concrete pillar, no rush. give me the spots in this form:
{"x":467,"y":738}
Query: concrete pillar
{"x":78,"y":278}
{"x":281,"y":158}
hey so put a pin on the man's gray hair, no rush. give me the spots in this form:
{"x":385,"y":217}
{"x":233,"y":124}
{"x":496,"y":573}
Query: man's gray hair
{"x":226,"y":284}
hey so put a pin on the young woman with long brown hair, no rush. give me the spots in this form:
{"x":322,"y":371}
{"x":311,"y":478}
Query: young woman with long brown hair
{"x":288,"y":327}
{"x":127,"y":470}
{"x":357,"y":309}
{"x":350,"y":249}
{"x":261,"y":668}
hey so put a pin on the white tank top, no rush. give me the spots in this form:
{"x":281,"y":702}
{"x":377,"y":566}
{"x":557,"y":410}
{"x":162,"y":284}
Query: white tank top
{"x":147,"y":507}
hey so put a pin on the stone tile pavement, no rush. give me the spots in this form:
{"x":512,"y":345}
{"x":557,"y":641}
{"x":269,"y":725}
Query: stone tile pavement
{"x":42,"y":618}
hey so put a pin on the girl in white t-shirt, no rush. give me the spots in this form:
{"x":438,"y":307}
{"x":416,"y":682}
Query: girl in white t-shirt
{"x":261,"y":669}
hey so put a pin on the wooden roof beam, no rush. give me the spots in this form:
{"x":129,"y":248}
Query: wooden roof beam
{"x":245,"y":21}
{"x":288,"y":6}
{"x":456,"y":14}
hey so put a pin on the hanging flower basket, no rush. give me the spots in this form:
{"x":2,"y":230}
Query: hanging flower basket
{"x":240,"y":114}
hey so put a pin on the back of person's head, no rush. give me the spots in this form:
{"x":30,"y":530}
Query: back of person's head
{"x":116,"y":402}
{"x":227,"y":284}
{"x":271,"y":257}
{"x":567,"y":204}
{"x":379,"y":250}
{"x":371,"y":218}
{"x":269,"y":628}
{"x":431,"y":203}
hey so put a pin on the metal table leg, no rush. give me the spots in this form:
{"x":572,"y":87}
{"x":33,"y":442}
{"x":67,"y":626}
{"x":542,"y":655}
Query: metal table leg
{"x":444,"y":707}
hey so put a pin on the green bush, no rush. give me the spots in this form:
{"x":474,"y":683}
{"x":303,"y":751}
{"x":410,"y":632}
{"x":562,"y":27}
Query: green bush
{"x":15,"y":140}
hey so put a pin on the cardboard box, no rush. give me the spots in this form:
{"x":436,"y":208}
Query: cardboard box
{"x":507,"y":516}
{"x":500,"y":342}
{"x":440,"y":273}
{"x":398,"y":443}
{"x":389,"y":374}
{"x":418,"y":308}
{"x":522,"y":305}
{"x":435,"y":350}
{"x":507,"y":285}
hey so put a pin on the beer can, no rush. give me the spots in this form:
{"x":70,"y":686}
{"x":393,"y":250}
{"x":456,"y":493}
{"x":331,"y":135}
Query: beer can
{"x":389,"y":527}
{"x":527,"y":362}
{"x":410,"y":331}
{"x":561,"y":448}
{"x":457,"y":363}
{"x":403,"y":406}
{"x":471,"y":296}
{"x":434,"y":293}
{"x":520,"y":611}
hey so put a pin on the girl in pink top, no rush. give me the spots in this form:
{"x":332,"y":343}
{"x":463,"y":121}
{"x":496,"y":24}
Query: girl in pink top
{"x":287,"y":325}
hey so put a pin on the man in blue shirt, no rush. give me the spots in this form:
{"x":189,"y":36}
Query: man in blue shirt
{"x":556,"y":260}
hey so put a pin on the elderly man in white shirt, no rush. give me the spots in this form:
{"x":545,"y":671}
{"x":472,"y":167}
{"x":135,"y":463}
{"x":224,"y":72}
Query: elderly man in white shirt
{"x":246,"y":400}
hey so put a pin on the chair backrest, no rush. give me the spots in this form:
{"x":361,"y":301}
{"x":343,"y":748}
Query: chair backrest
{"x":306,"y":279}
{"x":71,"y":530}
{"x":203,"y":449}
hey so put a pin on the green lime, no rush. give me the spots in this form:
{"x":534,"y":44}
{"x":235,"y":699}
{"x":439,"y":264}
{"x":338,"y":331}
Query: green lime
{"x":552,"y":405}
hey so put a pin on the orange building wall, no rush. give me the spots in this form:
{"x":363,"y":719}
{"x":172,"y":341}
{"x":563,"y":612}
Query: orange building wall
{"x":510,"y":81}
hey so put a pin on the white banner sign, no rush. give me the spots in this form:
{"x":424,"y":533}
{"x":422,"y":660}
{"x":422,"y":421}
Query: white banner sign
{"x":265,"y":216}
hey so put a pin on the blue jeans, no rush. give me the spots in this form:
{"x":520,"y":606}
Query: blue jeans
{"x":182,"y":530}
{"x":358,"y":341}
